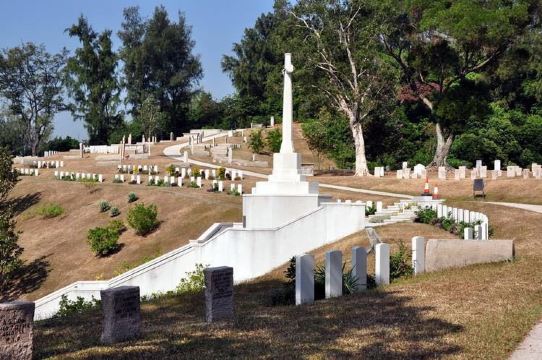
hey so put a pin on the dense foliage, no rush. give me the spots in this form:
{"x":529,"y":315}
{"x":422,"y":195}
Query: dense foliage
{"x":143,"y":218}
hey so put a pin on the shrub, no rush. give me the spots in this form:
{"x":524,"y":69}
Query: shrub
{"x":117,"y":181}
{"x":426,"y":216}
{"x":400,"y":263}
{"x":170,"y":170}
{"x":255,"y":141}
{"x":115,"y":212}
{"x":103,"y":241}
{"x":221,"y":173}
{"x":143,"y":218}
{"x":274,"y":140}
{"x":117,"y":225}
{"x":234,"y":192}
{"x":370,"y":210}
{"x":132,"y":197}
{"x":70,"y":307}
{"x":50,"y":211}
{"x":196,"y":171}
{"x":104,"y":206}
{"x":194,"y":281}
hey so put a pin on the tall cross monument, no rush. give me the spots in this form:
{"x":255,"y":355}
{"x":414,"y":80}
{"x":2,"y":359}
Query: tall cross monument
{"x":286,"y":194}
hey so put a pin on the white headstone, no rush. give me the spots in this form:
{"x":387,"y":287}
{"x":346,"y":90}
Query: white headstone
{"x":359,"y":267}
{"x":334,"y":274}
{"x":418,"y":254}
{"x":468,"y":233}
{"x":382,"y":264}
{"x":304,"y":279}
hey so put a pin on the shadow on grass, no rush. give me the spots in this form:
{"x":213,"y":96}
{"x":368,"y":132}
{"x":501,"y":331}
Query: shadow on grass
{"x":22,"y":203}
{"x":27,"y":279}
{"x":375,"y":324}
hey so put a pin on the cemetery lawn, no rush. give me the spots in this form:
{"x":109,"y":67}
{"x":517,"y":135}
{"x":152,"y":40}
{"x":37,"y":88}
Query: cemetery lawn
{"x":477,"y":312}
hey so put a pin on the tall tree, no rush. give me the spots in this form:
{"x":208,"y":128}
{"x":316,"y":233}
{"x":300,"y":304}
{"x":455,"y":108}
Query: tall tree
{"x":150,"y":118}
{"x":159,"y":61}
{"x":440,"y":45}
{"x":341,"y":43}
{"x":10,"y":251}
{"x":31,"y":82}
{"x":92,"y":82}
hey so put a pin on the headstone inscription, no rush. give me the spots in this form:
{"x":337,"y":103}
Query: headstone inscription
{"x":16,"y":327}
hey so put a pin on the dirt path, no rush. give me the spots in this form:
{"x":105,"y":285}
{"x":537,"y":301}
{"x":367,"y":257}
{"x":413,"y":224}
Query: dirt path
{"x":528,"y":207}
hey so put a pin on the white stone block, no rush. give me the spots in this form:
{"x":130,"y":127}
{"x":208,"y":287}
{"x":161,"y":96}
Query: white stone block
{"x":198,"y":181}
{"x":379,"y":206}
{"x":240,"y":188}
{"x":334,"y":274}
{"x":359,"y":267}
{"x":100,"y":178}
{"x":304,"y":279}
{"x":418,"y":254}
{"x":468,"y":233}
{"x":478,"y":232}
{"x":382,"y":264}
{"x":439,"y":211}
{"x":138,"y":179}
{"x":220,"y":186}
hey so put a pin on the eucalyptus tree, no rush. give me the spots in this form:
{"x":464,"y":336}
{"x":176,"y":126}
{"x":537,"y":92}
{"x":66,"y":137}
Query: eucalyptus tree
{"x":31,"y":83}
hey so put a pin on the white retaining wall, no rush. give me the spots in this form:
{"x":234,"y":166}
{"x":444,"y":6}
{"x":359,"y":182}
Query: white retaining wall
{"x":250,"y":252}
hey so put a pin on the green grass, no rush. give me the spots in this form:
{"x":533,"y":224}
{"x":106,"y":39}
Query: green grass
{"x":51,"y":210}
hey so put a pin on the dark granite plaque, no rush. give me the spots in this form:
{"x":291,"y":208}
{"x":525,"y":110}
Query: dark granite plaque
{"x":122,"y":315}
{"x":218,"y":293}
{"x":16,"y":322}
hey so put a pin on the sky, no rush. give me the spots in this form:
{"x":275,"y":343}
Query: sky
{"x":216,"y":25}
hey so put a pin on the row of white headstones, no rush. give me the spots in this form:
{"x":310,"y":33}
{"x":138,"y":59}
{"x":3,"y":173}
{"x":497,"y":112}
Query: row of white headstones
{"x":419,"y":172}
{"x":478,"y":232}
{"x":151,"y":179}
{"x":48,"y":164}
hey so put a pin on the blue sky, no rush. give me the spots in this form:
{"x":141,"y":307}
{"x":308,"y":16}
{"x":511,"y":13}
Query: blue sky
{"x":216,"y":25}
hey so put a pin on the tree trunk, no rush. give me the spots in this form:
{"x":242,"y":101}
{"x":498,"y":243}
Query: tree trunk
{"x":443,"y":148}
{"x":361,"y":161}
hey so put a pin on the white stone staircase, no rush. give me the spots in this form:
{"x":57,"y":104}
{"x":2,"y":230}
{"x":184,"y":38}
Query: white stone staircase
{"x":392,"y":214}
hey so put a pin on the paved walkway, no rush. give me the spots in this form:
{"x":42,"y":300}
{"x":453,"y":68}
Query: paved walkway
{"x":529,"y":207}
{"x":531,"y":347}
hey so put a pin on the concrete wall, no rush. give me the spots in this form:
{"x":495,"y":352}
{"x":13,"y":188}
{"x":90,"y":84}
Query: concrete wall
{"x":444,"y":254}
{"x":250,"y":252}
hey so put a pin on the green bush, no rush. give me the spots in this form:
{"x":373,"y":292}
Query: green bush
{"x":143,"y":218}
{"x":104,"y":206}
{"x":115,"y":212}
{"x":426,"y":216}
{"x":194,"y":281}
{"x":274,"y":140}
{"x":370,"y":210}
{"x":50,"y":211}
{"x":255,"y":141}
{"x":221,"y":173}
{"x":196,"y":171}
{"x":400,"y":263}
{"x":117,"y":225}
{"x":132,"y":197}
{"x":170,"y":170}
{"x":71,"y":307}
{"x":103,"y":241}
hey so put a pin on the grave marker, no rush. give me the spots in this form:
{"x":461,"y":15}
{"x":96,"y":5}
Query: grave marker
{"x":382,"y":265}
{"x":304,"y":279}
{"x":359,"y":267}
{"x":16,"y":330}
{"x":334,"y":274}
{"x":122,"y":315}
{"x":218,"y":293}
{"x":418,"y":254}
